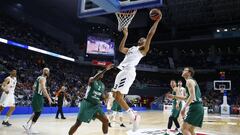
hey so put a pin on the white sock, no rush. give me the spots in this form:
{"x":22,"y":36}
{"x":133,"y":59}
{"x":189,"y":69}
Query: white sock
{"x":168,"y":131}
{"x":111,"y":118}
{"x":131,"y":114}
{"x":32,"y":124}
{"x":179,"y":130}
{"x":7,"y":118}
{"x":29,"y":124}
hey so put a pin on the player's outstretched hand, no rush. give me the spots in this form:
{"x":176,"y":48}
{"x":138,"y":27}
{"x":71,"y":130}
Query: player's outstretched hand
{"x":110,"y":66}
{"x":159,"y":19}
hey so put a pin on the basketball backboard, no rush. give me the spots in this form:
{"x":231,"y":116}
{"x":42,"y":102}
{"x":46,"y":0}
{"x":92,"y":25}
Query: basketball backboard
{"x":222,"y":85}
{"x":87,"y":8}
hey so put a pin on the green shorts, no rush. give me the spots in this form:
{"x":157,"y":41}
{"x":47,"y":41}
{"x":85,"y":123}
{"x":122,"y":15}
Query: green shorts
{"x":195,"y":115}
{"x":37,"y":103}
{"x":176,"y":112}
{"x":88,"y":111}
{"x":116,"y":107}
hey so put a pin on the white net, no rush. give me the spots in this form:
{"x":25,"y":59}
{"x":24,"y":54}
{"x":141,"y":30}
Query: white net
{"x":124,"y":18}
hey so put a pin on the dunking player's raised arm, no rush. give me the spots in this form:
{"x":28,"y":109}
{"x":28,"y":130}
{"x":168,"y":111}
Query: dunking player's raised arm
{"x":145,"y":48}
{"x":122,"y":47}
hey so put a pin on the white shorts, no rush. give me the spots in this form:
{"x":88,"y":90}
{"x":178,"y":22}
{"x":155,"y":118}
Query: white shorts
{"x":183,"y":104}
{"x":124,"y":81}
{"x":109,"y":105}
{"x":7,"y":100}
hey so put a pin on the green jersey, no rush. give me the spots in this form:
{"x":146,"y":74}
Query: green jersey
{"x":174,"y":100}
{"x":198,"y":97}
{"x":95,"y":91}
{"x":37,"y":100}
{"x":38,"y":88}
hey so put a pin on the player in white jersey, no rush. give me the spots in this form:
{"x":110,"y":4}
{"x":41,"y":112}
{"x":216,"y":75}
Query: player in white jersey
{"x":7,"y":98}
{"x":182,"y":91}
{"x":126,"y":76}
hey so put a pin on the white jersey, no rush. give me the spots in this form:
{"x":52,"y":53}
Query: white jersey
{"x":182,"y":91}
{"x":37,"y":86}
{"x":11,"y":85}
{"x":132,"y":58}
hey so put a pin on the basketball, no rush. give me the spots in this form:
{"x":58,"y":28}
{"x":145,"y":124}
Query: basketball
{"x":155,"y":14}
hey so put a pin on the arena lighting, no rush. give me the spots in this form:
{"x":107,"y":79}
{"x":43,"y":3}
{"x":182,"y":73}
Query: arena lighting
{"x":5,"y":41}
{"x":49,"y":53}
{"x":17,"y":44}
{"x":218,"y":30}
{"x":225,"y":30}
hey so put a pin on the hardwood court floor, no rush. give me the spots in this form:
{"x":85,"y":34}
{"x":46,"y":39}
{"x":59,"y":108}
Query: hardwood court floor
{"x":48,"y":125}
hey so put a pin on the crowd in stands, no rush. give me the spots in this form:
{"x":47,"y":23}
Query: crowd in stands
{"x":21,"y":32}
{"x":163,"y":57}
{"x":157,"y":57}
{"x":213,"y":100}
{"x":204,"y":57}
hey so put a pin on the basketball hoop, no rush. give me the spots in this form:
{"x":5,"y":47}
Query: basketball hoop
{"x":124,"y":18}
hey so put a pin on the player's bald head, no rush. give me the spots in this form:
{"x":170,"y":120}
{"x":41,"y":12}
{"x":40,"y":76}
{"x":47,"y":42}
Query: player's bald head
{"x":46,"y":72}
